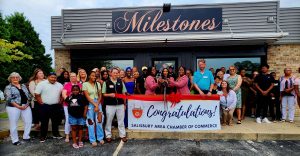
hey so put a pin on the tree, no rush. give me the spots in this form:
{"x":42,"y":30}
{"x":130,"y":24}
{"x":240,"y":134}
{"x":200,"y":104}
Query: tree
{"x":17,"y":28}
{"x":9,"y":51}
{"x":247,"y":65}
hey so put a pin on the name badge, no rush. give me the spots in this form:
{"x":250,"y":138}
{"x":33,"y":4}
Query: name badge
{"x":275,"y":84}
{"x":205,"y":77}
{"x":111,"y":86}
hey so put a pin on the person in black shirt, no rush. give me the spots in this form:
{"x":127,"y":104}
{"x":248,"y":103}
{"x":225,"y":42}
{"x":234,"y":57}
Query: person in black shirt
{"x":264,"y":83}
{"x":77,"y":108}
{"x":63,"y":77}
{"x":275,"y":95}
{"x":140,"y":82}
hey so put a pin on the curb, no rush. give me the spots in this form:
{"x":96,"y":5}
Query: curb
{"x":135,"y":134}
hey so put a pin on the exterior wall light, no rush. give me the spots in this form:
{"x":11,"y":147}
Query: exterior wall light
{"x":167,"y":7}
{"x":108,"y":25}
{"x":225,"y":21}
{"x":270,"y":19}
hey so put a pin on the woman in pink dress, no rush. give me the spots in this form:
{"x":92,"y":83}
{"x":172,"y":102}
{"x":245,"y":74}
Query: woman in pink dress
{"x":181,"y":82}
{"x":151,"y":83}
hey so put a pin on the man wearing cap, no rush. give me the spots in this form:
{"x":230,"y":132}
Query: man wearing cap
{"x":140,"y":82}
{"x":48,"y":95}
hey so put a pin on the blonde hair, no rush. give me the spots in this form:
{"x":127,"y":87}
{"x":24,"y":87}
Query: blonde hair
{"x":14,"y":74}
{"x":78,"y":75}
{"x":201,"y":60}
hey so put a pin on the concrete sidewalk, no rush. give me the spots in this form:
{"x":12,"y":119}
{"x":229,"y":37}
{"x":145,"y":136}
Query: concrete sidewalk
{"x":248,"y":130}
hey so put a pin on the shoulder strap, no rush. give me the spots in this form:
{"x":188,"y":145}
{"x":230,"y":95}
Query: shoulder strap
{"x":291,"y":82}
{"x":281,"y":78}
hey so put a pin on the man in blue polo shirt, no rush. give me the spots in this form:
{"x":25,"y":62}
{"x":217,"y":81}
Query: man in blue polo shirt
{"x":203,"y":79}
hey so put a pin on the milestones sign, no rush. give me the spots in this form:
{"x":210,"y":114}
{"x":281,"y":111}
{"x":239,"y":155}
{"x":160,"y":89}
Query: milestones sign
{"x":177,"y":20}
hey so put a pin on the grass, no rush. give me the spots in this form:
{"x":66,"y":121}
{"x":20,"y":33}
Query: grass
{"x":3,"y":115}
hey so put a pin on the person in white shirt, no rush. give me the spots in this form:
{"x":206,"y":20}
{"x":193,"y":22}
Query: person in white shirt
{"x":297,"y":88}
{"x":228,"y":102}
{"x":287,"y":95}
{"x":48,"y":95}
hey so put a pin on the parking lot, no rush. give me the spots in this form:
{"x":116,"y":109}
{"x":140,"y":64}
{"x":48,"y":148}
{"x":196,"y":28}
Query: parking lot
{"x":156,"y":147}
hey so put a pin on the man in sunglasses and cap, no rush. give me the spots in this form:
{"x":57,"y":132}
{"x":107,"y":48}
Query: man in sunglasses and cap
{"x":140,"y":82}
{"x":48,"y":95}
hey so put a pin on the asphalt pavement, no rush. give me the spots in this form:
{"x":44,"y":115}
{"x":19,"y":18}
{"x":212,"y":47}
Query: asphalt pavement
{"x":156,"y":147}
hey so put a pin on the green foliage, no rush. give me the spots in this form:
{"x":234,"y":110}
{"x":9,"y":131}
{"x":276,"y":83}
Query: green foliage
{"x":9,"y":51}
{"x":247,"y":65}
{"x":17,"y":28}
{"x":3,"y":115}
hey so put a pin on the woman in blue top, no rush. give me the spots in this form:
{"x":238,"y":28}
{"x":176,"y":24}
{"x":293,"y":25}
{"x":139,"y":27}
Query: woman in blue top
{"x":129,"y":84}
{"x":17,"y":98}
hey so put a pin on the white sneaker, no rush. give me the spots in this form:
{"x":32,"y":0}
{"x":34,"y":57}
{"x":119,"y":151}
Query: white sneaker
{"x":258,"y":120}
{"x":265,"y":120}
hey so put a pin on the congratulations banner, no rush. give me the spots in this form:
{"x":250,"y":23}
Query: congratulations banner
{"x":187,"y":115}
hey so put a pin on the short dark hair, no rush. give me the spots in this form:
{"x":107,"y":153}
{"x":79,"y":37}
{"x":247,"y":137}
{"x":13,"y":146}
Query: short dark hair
{"x":264,"y":65}
{"x":52,"y":73}
{"x":75,"y":86}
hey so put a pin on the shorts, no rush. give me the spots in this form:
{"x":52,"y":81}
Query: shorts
{"x":76,"y":121}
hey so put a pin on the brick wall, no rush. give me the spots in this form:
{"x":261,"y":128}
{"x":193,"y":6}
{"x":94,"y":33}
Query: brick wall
{"x":62,"y":59}
{"x":282,"y":56}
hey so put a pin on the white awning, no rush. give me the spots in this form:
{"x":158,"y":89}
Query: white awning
{"x":177,"y":38}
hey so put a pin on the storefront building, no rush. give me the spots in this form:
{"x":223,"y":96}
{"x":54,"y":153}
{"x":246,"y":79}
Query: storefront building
{"x":261,"y":32}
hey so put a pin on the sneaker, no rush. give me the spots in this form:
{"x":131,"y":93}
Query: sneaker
{"x":27,"y":140}
{"x":17,"y":143}
{"x":282,"y":120}
{"x":265,"y":120}
{"x":42,"y":140}
{"x":57,"y":137}
{"x":291,"y":121}
{"x":252,"y":116}
{"x":258,"y":120}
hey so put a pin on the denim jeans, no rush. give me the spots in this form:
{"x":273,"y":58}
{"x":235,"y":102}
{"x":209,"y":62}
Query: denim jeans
{"x":93,"y":116}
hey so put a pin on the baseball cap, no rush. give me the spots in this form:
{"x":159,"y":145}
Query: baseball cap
{"x":52,"y":73}
{"x":144,"y":68}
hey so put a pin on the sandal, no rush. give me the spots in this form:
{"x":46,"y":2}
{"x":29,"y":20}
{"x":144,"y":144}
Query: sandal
{"x":239,"y":122}
{"x":108,"y":140}
{"x":80,"y":144}
{"x":102,"y":142}
{"x":67,"y":140}
{"x":124,"y":139}
{"x":94,"y":144}
{"x":75,"y":146}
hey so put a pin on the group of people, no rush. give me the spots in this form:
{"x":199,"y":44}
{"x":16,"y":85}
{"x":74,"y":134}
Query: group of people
{"x":90,"y":99}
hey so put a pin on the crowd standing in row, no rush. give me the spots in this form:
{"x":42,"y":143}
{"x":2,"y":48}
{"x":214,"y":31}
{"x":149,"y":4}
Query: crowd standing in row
{"x":90,"y":99}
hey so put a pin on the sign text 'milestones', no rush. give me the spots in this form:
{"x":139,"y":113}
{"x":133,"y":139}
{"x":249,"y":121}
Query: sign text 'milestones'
{"x":177,"y":20}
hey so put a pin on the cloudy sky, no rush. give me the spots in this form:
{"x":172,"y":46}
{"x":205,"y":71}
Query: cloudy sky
{"x":39,"y":12}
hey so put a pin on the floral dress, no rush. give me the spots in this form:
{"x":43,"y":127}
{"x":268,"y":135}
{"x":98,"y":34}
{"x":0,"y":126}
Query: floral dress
{"x":233,"y":81}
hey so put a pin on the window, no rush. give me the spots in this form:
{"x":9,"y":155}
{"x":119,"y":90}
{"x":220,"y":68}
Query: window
{"x":251,"y":63}
{"x":123,"y":64}
{"x":164,"y":63}
{"x":93,"y":63}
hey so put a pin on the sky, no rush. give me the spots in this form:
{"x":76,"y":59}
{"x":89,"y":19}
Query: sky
{"x":39,"y":12}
